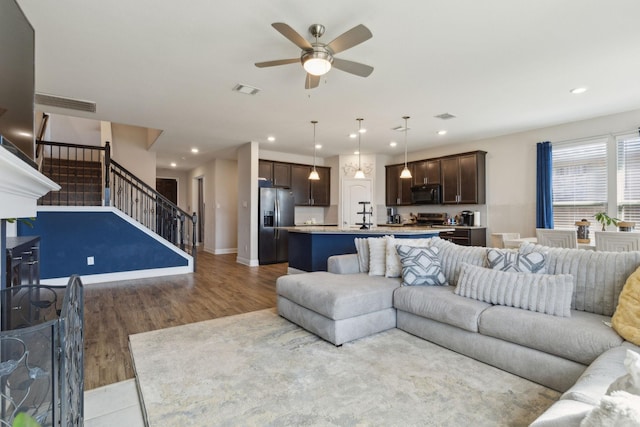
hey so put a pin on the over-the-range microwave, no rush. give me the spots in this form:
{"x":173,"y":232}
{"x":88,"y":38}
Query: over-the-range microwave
{"x":426,"y":194}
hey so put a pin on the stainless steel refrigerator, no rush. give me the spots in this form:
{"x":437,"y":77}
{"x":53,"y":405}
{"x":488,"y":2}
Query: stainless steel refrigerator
{"x":275,"y":209}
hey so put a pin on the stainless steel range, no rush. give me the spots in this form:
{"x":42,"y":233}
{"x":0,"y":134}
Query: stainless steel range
{"x":431,"y":218}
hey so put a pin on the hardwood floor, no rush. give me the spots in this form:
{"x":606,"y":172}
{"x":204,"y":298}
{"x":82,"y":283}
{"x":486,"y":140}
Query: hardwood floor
{"x":114,"y":310}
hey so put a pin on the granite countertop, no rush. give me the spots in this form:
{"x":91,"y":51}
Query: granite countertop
{"x":374,"y":230}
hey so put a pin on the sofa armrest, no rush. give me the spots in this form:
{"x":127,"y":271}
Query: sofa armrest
{"x":343,"y":264}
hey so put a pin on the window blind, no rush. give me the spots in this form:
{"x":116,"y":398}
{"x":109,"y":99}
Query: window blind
{"x":628,"y":197}
{"x":579,"y":182}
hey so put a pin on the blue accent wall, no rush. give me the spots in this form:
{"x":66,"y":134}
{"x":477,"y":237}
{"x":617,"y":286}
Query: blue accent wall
{"x":68,"y":238}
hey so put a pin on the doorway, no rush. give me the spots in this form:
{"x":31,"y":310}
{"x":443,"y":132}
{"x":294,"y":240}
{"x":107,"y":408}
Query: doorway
{"x":168,"y":187}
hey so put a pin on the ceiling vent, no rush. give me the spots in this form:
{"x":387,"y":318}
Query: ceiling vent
{"x":445,"y":116}
{"x":246,"y":89}
{"x":68,"y":103}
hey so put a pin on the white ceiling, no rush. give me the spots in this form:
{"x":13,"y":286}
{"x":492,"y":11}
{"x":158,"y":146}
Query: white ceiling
{"x":500,"y":66}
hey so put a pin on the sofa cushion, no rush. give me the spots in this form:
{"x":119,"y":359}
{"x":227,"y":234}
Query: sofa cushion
{"x":512,"y":260}
{"x":394,"y":264}
{"x":421,"y":266}
{"x":598,"y":276}
{"x":626,"y":319}
{"x":581,"y":337}
{"x":544,"y":293}
{"x":452,"y":256}
{"x":338,"y":296}
{"x":439,"y":303}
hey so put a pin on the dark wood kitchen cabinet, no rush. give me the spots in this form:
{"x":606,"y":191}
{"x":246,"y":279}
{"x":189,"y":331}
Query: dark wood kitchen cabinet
{"x":466,"y":236}
{"x":463,"y":178}
{"x":277,"y":172}
{"x":307,"y":192}
{"x":426,"y":172}
{"x":398,"y":190}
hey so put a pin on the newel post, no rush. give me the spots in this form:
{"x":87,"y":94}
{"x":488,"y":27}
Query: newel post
{"x":107,"y":168}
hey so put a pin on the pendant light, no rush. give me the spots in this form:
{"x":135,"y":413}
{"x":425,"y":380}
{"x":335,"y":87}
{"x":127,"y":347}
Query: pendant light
{"x":359,"y":174}
{"x":314,"y":173}
{"x":406,"y":173}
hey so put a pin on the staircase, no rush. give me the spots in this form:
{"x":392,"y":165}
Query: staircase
{"x":89,"y":177}
{"x":81,"y":182}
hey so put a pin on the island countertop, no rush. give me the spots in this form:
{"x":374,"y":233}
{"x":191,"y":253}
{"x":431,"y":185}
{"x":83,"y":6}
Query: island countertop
{"x":407,"y":230}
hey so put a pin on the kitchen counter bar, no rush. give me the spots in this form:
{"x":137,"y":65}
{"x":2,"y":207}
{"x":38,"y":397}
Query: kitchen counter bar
{"x":406,"y":230}
{"x":310,"y":247}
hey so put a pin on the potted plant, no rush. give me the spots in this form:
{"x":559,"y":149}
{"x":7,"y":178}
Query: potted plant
{"x":605,"y":220}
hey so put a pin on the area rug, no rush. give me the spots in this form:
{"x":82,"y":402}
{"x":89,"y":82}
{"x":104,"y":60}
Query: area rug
{"x":258,"y":369}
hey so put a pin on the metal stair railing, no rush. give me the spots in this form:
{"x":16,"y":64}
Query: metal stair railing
{"x":150,"y":208}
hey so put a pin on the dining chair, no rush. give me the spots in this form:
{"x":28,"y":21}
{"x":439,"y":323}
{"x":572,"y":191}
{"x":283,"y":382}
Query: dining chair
{"x":617,"y":241}
{"x":498,"y":239}
{"x":557,"y":238}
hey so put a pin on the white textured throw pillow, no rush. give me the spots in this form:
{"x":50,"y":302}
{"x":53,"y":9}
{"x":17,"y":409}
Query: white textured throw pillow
{"x":621,"y":409}
{"x":420,"y":266}
{"x":630,"y":382}
{"x":506,"y":260}
{"x":394,"y":266}
{"x":377,"y":255}
{"x":544,"y":293}
{"x":362,"y":249}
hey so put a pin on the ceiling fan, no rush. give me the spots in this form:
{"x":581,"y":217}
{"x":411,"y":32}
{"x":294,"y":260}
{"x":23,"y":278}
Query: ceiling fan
{"x":318,"y":58}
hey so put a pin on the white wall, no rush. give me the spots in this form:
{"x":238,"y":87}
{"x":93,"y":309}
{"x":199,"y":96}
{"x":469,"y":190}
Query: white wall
{"x":129,"y":149}
{"x":248,"y":204}
{"x":225,"y":206}
{"x":73,"y":130}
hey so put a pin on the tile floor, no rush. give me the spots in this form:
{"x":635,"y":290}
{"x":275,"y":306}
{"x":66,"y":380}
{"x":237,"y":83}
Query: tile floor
{"x":113,"y":405}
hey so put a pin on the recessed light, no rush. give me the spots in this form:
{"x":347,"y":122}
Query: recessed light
{"x":271,"y":138}
{"x":393,"y":144}
{"x":27,"y":134}
{"x":353,"y":135}
{"x":173,"y":164}
{"x":442,"y":132}
{"x":356,"y":152}
{"x":363,"y":130}
{"x":195,"y":150}
{"x":318,"y":146}
{"x":578,"y":90}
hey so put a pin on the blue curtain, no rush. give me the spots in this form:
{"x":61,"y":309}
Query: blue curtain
{"x":544,"y":186}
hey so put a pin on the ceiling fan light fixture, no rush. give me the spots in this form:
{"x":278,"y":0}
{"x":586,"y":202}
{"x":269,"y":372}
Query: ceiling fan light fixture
{"x":317,"y":62}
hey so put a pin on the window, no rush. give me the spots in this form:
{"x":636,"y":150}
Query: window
{"x":628,"y":197}
{"x":590,"y":176}
{"x":579,"y":182}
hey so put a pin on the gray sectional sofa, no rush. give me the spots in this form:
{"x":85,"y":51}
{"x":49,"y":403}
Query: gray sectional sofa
{"x":579,"y":355}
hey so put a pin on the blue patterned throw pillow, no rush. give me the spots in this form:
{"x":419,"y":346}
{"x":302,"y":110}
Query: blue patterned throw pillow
{"x":421,"y":266}
{"x":505,"y":260}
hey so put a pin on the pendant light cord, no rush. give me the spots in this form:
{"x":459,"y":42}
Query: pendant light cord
{"x":359,"y":136}
{"x":405,"y":140}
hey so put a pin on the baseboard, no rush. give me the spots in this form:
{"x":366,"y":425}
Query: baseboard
{"x":225,"y":251}
{"x":121,"y":275}
{"x":246,"y":261}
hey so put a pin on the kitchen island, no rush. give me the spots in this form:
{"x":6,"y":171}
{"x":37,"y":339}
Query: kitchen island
{"x":309,"y":247}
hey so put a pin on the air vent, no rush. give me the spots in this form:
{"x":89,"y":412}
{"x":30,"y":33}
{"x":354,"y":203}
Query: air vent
{"x":246,"y":89}
{"x":445,"y":116}
{"x":68,"y":103}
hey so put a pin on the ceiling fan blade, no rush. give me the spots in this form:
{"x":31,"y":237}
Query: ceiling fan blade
{"x":292,"y":35}
{"x":311,"y":81}
{"x":354,"y":36}
{"x":277,"y":62}
{"x":356,"y":68}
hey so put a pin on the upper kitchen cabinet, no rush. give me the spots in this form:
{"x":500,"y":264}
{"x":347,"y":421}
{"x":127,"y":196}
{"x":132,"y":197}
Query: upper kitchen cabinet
{"x":307,"y":192}
{"x":277,"y":172}
{"x":398,"y":190}
{"x":426,"y":172}
{"x":463,"y":178}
